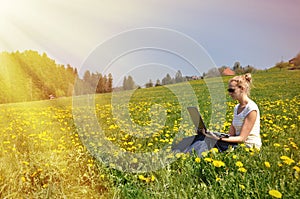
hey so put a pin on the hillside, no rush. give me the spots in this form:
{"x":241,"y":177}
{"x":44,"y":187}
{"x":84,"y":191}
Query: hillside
{"x":28,"y":76}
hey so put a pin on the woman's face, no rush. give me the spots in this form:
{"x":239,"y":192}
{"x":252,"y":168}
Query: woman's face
{"x":234,"y":90}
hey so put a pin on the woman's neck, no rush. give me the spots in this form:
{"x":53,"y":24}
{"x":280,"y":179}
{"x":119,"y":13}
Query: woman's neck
{"x":244,"y":100}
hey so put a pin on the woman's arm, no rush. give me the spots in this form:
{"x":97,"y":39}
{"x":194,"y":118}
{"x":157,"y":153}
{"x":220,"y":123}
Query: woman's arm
{"x":245,"y":130}
{"x":232,"y":130}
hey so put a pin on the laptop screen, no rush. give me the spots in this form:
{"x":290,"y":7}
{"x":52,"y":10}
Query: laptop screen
{"x":196,"y":118}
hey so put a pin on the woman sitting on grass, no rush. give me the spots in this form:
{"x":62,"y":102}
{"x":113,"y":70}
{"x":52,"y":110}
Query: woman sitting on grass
{"x":245,"y":127}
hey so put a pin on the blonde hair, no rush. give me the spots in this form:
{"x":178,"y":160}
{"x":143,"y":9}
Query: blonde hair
{"x":244,"y":81}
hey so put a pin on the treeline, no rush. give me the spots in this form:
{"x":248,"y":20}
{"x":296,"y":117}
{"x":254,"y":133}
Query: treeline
{"x":237,"y":68}
{"x":129,"y":84}
{"x":93,"y":83}
{"x":28,"y":76}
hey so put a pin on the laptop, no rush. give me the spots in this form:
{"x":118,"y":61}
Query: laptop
{"x":199,"y":124}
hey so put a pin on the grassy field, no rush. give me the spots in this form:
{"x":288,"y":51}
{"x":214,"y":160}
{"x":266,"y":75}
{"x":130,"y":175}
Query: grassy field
{"x":55,"y":149}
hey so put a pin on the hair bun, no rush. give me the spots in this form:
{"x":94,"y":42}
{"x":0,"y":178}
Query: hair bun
{"x":248,"y":77}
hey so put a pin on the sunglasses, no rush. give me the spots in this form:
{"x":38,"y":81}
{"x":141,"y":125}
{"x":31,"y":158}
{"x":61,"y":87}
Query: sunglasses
{"x":231,"y":90}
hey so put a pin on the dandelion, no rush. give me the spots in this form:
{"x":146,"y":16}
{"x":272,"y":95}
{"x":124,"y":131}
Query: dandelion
{"x":197,"y":159}
{"x":218,"y":163}
{"x":218,"y":179}
{"x":276,"y":145}
{"x":152,"y":178}
{"x":275,"y":193}
{"x":239,"y":164}
{"x":157,"y":150}
{"x":242,"y":186}
{"x":242,"y":169}
{"x":265,"y":135}
{"x":287,"y":160}
{"x":214,"y":150}
{"x":26,"y":163}
{"x":234,"y":156}
{"x":297,"y":169}
{"x":243,"y":145}
{"x":208,"y":159}
{"x":141,"y":177}
{"x":204,"y":154}
{"x":267,"y":164}
{"x":179,"y":155}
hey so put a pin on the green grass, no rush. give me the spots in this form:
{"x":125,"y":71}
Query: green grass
{"x":45,"y":153}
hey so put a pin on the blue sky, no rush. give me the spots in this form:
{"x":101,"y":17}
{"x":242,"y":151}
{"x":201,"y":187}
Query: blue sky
{"x":257,"y":33}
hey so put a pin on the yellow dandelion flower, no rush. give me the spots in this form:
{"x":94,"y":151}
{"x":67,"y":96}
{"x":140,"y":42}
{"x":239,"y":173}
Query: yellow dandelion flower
{"x":275,"y":193}
{"x":141,"y":177}
{"x":284,"y":157}
{"x":197,"y":159}
{"x":152,"y":178}
{"x":23,"y":179}
{"x":239,"y":164}
{"x":214,"y":150}
{"x":287,"y":160}
{"x":265,"y":135}
{"x":179,"y":155}
{"x":242,"y":186}
{"x":218,"y":163}
{"x":276,"y":145}
{"x":208,"y":159}
{"x":242,"y":169}
{"x":297,"y":169}
{"x":204,"y":154}
{"x":218,"y":179}
{"x":26,"y":163}
{"x":234,"y":156}
{"x":267,"y":164}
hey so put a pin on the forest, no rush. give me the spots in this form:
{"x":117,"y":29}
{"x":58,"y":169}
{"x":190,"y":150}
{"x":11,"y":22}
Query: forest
{"x":30,"y":76}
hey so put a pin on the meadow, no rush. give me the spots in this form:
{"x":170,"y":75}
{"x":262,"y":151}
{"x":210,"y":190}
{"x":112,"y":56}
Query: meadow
{"x":102,"y":147}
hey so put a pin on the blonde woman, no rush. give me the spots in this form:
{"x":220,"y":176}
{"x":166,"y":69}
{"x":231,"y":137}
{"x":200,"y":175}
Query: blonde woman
{"x":245,"y":127}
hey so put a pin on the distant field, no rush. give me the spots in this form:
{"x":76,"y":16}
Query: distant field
{"x":49,"y":150}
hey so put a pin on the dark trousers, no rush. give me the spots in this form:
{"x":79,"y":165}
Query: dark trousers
{"x":200,"y":143}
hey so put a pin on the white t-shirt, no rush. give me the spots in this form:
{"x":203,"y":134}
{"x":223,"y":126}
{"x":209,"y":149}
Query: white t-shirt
{"x":238,"y":119}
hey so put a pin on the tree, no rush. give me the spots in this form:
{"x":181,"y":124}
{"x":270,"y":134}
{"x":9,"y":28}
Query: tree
{"x":157,"y":83}
{"x":221,"y":69}
{"x":109,"y":83}
{"x":149,"y":84}
{"x":281,"y":65}
{"x":87,"y":76}
{"x":167,"y":80}
{"x":178,"y":77}
{"x":128,"y":83}
{"x":101,"y":84}
{"x":249,"y":69}
{"x":237,"y":66}
{"x":213,"y":72}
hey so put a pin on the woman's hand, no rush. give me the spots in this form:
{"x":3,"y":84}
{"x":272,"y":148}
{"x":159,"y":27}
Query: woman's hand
{"x":212,"y":135}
